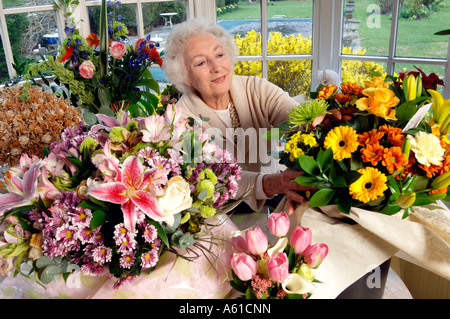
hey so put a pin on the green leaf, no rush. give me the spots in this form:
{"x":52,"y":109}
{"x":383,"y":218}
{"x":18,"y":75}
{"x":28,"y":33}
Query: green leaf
{"x":322,"y":197}
{"x":308,"y":180}
{"x":47,"y":274}
{"x":89,"y":118}
{"x":406,"y":111}
{"x":308,"y":164}
{"x":43,"y":261}
{"x":273,"y":134}
{"x":325,"y":158}
{"x":344,"y":204}
{"x":98,"y":218}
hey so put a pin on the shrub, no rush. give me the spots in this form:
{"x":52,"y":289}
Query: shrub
{"x":294,"y":76}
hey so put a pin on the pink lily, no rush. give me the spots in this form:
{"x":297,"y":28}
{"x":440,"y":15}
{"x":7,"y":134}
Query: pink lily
{"x":133,"y":190}
{"x":156,"y":129}
{"x":22,"y":190}
{"x":107,"y":163}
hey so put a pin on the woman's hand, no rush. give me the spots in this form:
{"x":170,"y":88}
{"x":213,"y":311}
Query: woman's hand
{"x":284,"y":183}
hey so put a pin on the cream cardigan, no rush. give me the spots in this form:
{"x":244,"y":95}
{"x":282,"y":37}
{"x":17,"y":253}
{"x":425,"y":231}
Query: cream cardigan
{"x":260,"y":105}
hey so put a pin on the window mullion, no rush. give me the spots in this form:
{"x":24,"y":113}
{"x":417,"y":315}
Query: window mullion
{"x":393,"y":38}
{"x":264,"y":37}
{"x":6,"y":43}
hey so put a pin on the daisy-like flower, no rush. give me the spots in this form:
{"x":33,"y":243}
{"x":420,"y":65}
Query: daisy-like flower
{"x":102,"y":254}
{"x":372,"y":153}
{"x":369,"y":186}
{"x":394,"y":134}
{"x":394,"y":159}
{"x":327,"y":91}
{"x":67,"y":236}
{"x":343,"y":140}
{"x":127,"y":260}
{"x":150,"y":233}
{"x":370,"y":137}
{"x":149,"y":259}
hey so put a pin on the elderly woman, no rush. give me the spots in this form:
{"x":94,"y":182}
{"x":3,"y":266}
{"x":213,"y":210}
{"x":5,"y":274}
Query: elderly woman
{"x":199,"y":61}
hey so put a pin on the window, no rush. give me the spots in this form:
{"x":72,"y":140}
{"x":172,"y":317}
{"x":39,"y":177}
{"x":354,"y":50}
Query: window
{"x":31,"y":29}
{"x":274,"y":39}
{"x":391,"y":36}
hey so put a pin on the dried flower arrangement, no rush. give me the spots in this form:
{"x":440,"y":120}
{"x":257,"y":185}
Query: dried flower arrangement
{"x":31,"y":119}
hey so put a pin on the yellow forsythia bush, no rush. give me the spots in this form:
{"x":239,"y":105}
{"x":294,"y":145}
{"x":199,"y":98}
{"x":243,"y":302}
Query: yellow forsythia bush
{"x":294,"y":76}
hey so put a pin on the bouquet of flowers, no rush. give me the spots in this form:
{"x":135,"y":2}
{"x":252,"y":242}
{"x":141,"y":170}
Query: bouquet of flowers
{"x":101,"y":71}
{"x":110,"y":199}
{"x":281,"y":271}
{"x":374,"y":146}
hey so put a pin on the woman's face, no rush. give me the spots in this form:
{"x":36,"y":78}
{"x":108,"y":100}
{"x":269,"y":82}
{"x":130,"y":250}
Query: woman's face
{"x":209,"y":67}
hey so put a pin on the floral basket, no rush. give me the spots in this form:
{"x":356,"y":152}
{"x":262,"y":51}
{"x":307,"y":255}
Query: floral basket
{"x":112,"y":198}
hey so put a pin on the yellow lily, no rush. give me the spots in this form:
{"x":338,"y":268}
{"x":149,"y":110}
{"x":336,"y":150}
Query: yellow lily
{"x":441,"y":111}
{"x":411,"y":87}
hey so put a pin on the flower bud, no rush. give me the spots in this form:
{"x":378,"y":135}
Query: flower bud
{"x":256,"y":240}
{"x":441,"y":181}
{"x":411,"y":83}
{"x":244,"y":266}
{"x":437,"y":196}
{"x":406,"y":200}
{"x":87,"y":69}
{"x":300,"y":239}
{"x":278,"y":267}
{"x":306,"y":272}
{"x":279,"y":224}
{"x":315,"y":254}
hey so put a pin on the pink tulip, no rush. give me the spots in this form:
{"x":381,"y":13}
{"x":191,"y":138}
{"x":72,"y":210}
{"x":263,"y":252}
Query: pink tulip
{"x":238,"y":244}
{"x":257,"y":242}
{"x":315,"y":254}
{"x":117,"y":49}
{"x":279,"y":224}
{"x":244,"y":266}
{"x":278,"y":267}
{"x":87,"y":69}
{"x":300,"y":239}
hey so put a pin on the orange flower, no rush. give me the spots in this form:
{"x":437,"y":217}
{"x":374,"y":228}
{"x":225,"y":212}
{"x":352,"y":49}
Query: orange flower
{"x":376,"y":82}
{"x":394,"y":159}
{"x":372,"y":153}
{"x":431,"y":170}
{"x":67,"y":55}
{"x":379,"y":102}
{"x":394,"y":134}
{"x":352,"y":89}
{"x":93,"y":40}
{"x":153,"y":55}
{"x":326,"y":91}
{"x":371,"y":137}
{"x":343,"y":98}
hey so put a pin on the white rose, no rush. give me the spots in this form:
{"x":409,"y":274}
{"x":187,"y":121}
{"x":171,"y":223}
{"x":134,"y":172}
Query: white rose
{"x":176,"y":198}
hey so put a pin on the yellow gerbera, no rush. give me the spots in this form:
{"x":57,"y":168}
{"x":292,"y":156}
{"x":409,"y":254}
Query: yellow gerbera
{"x":369,"y":186}
{"x":343,"y":140}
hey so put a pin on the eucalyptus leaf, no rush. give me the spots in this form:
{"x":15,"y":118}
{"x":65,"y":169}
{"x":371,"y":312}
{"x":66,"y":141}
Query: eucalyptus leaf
{"x":43,"y":262}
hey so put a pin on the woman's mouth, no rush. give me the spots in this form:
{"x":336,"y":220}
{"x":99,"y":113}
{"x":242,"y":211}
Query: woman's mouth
{"x":219,"y":79}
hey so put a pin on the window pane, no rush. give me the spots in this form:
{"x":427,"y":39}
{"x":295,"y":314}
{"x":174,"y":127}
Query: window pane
{"x":124,"y":13}
{"x":25,"y":3}
{"x":4,"y":76}
{"x":292,"y":76}
{"x":241,"y":19}
{"x":32,"y":35}
{"x":417,"y":25}
{"x":366,"y":27}
{"x":160,"y":17}
{"x":359,"y":71}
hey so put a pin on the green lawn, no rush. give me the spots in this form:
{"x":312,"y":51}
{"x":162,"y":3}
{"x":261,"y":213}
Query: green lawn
{"x":291,"y":9}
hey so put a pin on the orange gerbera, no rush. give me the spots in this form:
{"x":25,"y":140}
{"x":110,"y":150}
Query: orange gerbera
{"x":394,"y":159}
{"x":326,"y":91}
{"x":92,"y":40}
{"x":371,"y":137}
{"x":379,"y":102}
{"x":372,"y":153}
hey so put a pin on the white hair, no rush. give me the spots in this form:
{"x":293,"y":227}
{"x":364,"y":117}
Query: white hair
{"x":175,"y":49}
